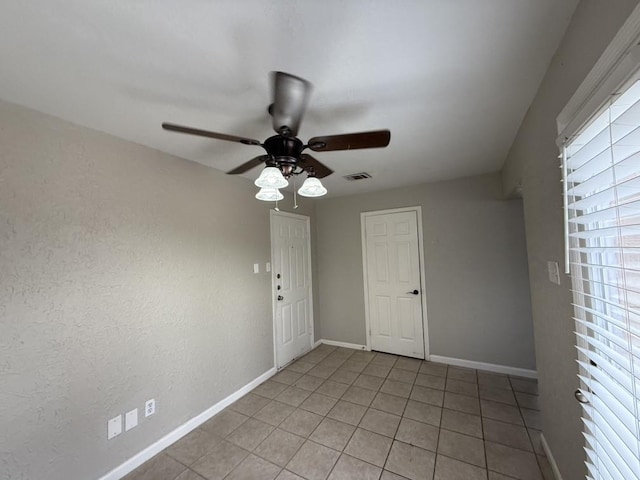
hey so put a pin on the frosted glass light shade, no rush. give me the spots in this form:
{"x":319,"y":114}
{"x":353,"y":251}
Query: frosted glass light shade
{"x":312,"y":187}
{"x":271,"y":177}
{"x":269,"y":194}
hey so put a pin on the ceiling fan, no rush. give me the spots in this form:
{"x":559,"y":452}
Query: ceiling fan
{"x":284,"y":151}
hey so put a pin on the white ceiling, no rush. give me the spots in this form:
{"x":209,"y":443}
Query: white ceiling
{"x":451,"y":79}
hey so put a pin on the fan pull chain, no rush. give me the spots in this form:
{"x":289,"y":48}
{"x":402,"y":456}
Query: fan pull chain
{"x":277,"y":209}
{"x":295,"y":198}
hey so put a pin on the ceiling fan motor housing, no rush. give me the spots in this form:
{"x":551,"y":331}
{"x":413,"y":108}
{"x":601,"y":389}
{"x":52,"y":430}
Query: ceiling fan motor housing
{"x":284,"y":151}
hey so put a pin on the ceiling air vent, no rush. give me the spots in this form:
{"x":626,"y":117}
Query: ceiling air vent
{"x":357,"y":176}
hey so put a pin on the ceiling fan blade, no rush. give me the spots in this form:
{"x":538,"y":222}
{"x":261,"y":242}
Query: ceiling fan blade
{"x":245,"y":167}
{"x":290,"y":98}
{"x":351,"y":141}
{"x":319,"y":168}
{"x":206,"y":133}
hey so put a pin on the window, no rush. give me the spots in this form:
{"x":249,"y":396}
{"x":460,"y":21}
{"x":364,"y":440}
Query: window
{"x":601,"y":168}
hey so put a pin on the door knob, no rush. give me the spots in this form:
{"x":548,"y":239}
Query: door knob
{"x":280,"y":298}
{"x":415,"y":292}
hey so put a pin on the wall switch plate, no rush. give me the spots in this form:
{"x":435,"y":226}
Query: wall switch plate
{"x":554,"y":272}
{"x":267,"y":266}
{"x":114,"y":427}
{"x":256,"y":268}
{"x":130,"y":419}
{"x":149,"y":407}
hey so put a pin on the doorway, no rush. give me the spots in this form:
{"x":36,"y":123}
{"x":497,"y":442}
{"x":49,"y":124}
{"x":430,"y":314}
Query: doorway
{"x":395,"y":300}
{"x":291,"y":286}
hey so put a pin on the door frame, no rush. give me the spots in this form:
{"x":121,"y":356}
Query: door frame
{"x":272,"y":214}
{"x":425,"y":324}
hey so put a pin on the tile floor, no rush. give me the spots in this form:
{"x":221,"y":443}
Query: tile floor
{"x":344,"y":414}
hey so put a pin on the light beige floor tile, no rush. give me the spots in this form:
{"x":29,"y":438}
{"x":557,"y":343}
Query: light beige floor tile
{"x":462,"y":422}
{"x":160,"y":467}
{"x":254,"y":468}
{"x":350,"y":468}
{"x":318,"y":403}
{"x":219,"y":461}
{"x":400,"y":375}
{"x":394,"y":387}
{"x":322,"y":371}
{"x":270,"y":389}
{"x":532,"y":418}
{"x":279,"y":447}
{"x":536,"y":441}
{"x":500,"y":395}
{"x":333,"y":434}
{"x":192,"y":446}
{"x":293,"y":396}
{"x":313,"y":461}
{"x":377,"y":370}
{"x":287,"y":377}
{"x":387,"y":475}
{"x":300,"y":366}
{"x":389,"y":403}
{"x":358,"y":395}
{"x":332,"y":389}
{"x":308,"y":382}
{"x":526,"y":400}
{"x":301,"y":422}
{"x":451,"y":469}
{"x":274,"y":413}
{"x":369,"y":446}
{"x":418,"y":434}
{"x":507,"y":434}
{"x":250,"y":434}
{"x":224,"y":422}
{"x":411,"y":462}
{"x":411,"y":364}
{"x":369,"y":382}
{"x":512,"y":461}
{"x":332,"y":361}
{"x":354,"y":366}
{"x":427,"y":395}
{"x":343,"y":375}
{"x":463,"y":374}
{"x":423,"y":412}
{"x":364,"y":356}
{"x":189,"y":475}
{"x":545,"y":468}
{"x":461,"y":403}
{"x":287,"y":475}
{"x":494,"y":380}
{"x":380,"y":422}
{"x":347,"y":412}
{"x":435,"y":369}
{"x":249,"y":404}
{"x":462,"y":447}
{"x":498,"y":476}
{"x":430,"y":381}
{"x":384,"y":359}
{"x":463,"y":388}
{"x":502,"y":412}
{"x":524,"y":385}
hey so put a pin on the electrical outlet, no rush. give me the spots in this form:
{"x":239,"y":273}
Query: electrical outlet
{"x":149,"y":407}
{"x":114,"y":427}
{"x":131,"y":419}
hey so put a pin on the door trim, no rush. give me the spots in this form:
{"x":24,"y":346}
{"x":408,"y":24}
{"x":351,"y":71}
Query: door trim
{"x":425,"y":324}
{"x":273,"y":213}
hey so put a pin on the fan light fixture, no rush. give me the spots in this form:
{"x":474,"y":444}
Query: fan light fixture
{"x":312,"y":187}
{"x":269,"y":194}
{"x":271,"y":177}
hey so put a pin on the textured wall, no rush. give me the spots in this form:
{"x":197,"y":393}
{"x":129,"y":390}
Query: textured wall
{"x":475,"y":260}
{"x":533,"y":162}
{"x":125,"y":274}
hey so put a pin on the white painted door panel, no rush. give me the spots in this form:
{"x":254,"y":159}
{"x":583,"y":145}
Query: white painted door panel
{"x":393,"y":275}
{"x":292,"y":274}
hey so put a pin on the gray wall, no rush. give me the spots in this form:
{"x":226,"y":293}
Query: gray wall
{"x":125,"y":274}
{"x":533,"y":162}
{"x":476,"y":272}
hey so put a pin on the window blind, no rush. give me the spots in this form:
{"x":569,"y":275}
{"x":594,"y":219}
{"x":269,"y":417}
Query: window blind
{"x":601,"y":168}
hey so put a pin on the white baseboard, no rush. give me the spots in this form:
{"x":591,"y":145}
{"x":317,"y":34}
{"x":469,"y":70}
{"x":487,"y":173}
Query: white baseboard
{"x":490,"y":367}
{"x":171,"y":437}
{"x":552,"y":461}
{"x":317,"y":344}
{"x":334,"y":343}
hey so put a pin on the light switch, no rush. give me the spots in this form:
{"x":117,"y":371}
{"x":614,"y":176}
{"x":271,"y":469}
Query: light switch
{"x":114,"y":427}
{"x":131,"y":419}
{"x":267,"y":266}
{"x":554,"y":272}
{"x":256,"y":268}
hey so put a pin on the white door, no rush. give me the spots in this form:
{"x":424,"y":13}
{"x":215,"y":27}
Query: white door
{"x":393,"y":284}
{"x":291,"y":260}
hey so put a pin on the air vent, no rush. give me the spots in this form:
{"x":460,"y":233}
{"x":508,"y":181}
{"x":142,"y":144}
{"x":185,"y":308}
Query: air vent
{"x":357,"y":176}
